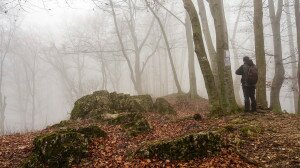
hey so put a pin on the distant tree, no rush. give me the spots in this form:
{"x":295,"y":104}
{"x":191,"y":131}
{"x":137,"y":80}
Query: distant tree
{"x":7,"y":30}
{"x":192,"y":74}
{"x":167,"y":45}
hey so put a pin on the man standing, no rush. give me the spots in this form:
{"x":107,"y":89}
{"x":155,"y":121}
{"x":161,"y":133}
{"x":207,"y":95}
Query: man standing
{"x":249,"y":79}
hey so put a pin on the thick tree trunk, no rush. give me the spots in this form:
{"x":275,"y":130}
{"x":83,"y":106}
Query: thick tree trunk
{"x":179,"y":90}
{"x":297,"y":14}
{"x":261,"y":94}
{"x":192,"y":75}
{"x":292,"y":54}
{"x":279,"y":69}
{"x":202,"y":57}
{"x":228,"y":102}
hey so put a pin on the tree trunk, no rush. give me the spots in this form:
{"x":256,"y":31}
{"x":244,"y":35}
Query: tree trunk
{"x":209,"y":43}
{"x":279,"y":69}
{"x":168,"y":48}
{"x":236,"y":82}
{"x":297,"y":14}
{"x":202,"y":57}
{"x":261,"y":94}
{"x":192,"y":75}
{"x":228,"y":102}
{"x":292,"y":54}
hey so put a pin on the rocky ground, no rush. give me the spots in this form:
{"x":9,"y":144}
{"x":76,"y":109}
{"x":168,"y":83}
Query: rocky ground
{"x":251,"y":140}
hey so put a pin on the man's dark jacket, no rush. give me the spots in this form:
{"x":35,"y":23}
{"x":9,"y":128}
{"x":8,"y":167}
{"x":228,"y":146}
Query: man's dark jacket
{"x":243,"y":70}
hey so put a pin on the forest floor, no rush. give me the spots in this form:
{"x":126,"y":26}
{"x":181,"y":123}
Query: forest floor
{"x":276,"y":144}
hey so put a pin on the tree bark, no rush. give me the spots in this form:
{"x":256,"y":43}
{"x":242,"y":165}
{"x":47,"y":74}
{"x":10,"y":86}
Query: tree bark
{"x":209,"y":43}
{"x":202,"y":57}
{"x":228,"y":102}
{"x":261,"y":94}
{"x":292,"y":54}
{"x":297,"y":14}
{"x":192,"y":75}
{"x":279,"y":69}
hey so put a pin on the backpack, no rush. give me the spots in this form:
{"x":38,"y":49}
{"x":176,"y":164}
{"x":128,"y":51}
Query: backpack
{"x":252,"y":75}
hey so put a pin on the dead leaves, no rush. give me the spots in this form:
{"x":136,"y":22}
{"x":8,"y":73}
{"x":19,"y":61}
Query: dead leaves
{"x":277,"y":146}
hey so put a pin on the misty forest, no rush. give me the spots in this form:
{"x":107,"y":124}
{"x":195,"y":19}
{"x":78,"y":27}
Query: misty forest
{"x":149,"y":83}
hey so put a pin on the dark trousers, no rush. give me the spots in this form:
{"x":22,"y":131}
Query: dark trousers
{"x":249,"y":94}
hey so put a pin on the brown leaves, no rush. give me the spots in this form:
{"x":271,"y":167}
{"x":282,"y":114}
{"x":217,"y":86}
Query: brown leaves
{"x":277,"y":146}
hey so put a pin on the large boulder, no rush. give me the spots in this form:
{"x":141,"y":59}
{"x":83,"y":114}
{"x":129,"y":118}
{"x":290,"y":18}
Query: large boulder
{"x":162,"y":106}
{"x":62,"y":148}
{"x":188,"y":147}
{"x":132,"y":123}
{"x":145,"y":101}
{"x":94,"y":106}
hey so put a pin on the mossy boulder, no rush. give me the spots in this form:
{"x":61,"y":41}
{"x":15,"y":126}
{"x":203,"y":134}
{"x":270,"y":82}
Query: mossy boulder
{"x":101,"y":102}
{"x":62,"y":148}
{"x":132,"y":123}
{"x":145,"y":101}
{"x":64,"y":123}
{"x":250,"y":130}
{"x":188,"y":147}
{"x":92,"y":131}
{"x":57,"y":149}
{"x":162,"y":106}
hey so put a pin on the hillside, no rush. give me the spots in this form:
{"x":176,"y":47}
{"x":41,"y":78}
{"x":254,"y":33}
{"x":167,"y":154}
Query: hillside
{"x":250,"y":140}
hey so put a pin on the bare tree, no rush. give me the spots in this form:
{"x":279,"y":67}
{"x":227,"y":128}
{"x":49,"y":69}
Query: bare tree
{"x":168,"y":47}
{"x":6,"y":35}
{"x":202,"y":58}
{"x":297,"y":14}
{"x":292,"y":54}
{"x":275,"y":17}
{"x":227,"y":97}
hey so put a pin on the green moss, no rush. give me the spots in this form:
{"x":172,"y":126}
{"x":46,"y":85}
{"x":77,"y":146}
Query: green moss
{"x":58,"y":149}
{"x":162,"y":106}
{"x":64,"y":123}
{"x":188,"y":147}
{"x":94,"y":106}
{"x":132,"y":123}
{"x":137,"y":127}
{"x":145,"y":101}
{"x":92,"y":131}
{"x":250,"y":130}
{"x":62,"y":148}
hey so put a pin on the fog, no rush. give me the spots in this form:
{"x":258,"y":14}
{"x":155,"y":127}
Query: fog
{"x":55,"y":51}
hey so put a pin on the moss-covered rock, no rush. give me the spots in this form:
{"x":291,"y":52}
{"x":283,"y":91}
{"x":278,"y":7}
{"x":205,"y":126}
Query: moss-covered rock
{"x":188,"y":147}
{"x":58,"y":149}
{"x":62,"y":148}
{"x":132,"y":123}
{"x":145,"y":101}
{"x":250,"y":130}
{"x":101,"y":102}
{"x":162,"y":106}
{"x":92,"y":131}
{"x":64,"y":123}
